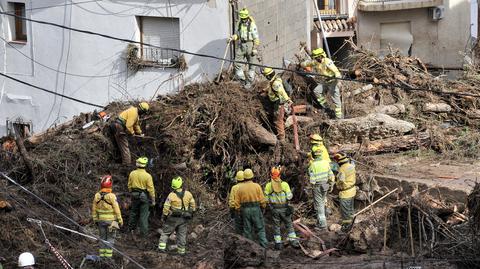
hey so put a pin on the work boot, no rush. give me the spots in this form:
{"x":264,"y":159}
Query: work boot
{"x":295,"y":243}
{"x":247,"y":85}
{"x":278,"y":246}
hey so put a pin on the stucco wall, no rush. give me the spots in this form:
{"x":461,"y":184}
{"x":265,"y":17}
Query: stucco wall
{"x":282,"y":24}
{"x":204,"y":26}
{"x":436,"y":42}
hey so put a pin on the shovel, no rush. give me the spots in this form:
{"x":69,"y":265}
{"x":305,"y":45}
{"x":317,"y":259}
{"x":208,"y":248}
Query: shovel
{"x":223,"y":62}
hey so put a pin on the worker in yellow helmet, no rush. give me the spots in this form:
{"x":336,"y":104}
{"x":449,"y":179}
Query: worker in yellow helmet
{"x":237,"y":218}
{"x":330,"y":74}
{"x":345,"y":182}
{"x":246,"y":35}
{"x":249,"y":201}
{"x":178,"y":210}
{"x":278,"y":194}
{"x":142,"y":191}
{"x":322,"y":179}
{"x":128,"y":123}
{"x":316,"y":142}
{"x":106,"y":214}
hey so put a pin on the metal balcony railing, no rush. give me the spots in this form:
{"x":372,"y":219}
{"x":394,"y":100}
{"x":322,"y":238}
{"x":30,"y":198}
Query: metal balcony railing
{"x":159,"y":57}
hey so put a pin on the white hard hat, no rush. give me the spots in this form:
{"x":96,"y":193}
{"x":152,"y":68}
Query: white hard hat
{"x":26,"y":259}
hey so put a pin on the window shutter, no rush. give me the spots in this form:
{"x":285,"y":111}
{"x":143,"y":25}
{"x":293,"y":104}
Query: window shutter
{"x":163,"y":32}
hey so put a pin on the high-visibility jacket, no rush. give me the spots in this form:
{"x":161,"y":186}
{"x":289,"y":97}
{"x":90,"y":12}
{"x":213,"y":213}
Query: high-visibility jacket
{"x":325,"y":68}
{"x":105,"y":207}
{"x":129,"y":118}
{"x":276,"y":91}
{"x":249,"y":192}
{"x":278,"y":198}
{"x":346,"y":179}
{"x":247,"y":31}
{"x":140,"y":179}
{"x":173,"y":202}
{"x":324,"y":156}
{"x":231,"y":196}
{"x":319,"y":172}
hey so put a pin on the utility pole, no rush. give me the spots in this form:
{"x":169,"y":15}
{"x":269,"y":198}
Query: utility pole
{"x":321,"y":28}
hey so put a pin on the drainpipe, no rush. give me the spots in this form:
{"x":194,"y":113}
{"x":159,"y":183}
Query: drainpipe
{"x":321,"y":28}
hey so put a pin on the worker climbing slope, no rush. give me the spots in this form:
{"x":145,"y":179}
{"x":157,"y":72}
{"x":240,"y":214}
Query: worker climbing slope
{"x":106,"y":214}
{"x":324,"y":66}
{"x":128,"y":123}
{"x":278,"y":194}
{"x":178,"y":211}
{"x":236,"y":216}
{"x":142,"y":191}
{"x":246,"y":35}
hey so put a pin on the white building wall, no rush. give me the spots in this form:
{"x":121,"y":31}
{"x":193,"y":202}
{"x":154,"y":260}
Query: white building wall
{"x":100,"y":62}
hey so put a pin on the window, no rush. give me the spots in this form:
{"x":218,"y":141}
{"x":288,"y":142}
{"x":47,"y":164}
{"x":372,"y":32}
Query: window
{"x":19,"y":27}
{"x":328,"y":7}
{"x":162,"y":32}
{"x":20,"y":127}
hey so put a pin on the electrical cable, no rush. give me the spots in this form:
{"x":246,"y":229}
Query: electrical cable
{"x":3,"y":174}
{"x":52,"y":92}
{"x":404,"y":87}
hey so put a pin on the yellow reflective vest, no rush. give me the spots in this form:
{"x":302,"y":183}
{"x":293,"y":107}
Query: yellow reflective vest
{"x":141,"y":180}
{"x":346,"y":179}
{"x":105,"y":207}
{"x":130,"y":119}
{"x":247,"y":31}
{"x":278,"y":198}
{"x":325,"y":68}
{"x":173,"y":202}
{"x":276,"y":91}
{"x":319,"y":172}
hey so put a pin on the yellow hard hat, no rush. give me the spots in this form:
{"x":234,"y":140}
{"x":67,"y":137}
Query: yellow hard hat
{"x":144,"y":106}
{"x":142,"y":162}
{"x":267,"y":71}
{"x":243,"y":14}
{"x":239,"y":176}
{"x":177,"y":182}
{"x":340,"y":157}
{"x":318,"y":53}
{"x":315,"y":139}
{"x":248,"y":174}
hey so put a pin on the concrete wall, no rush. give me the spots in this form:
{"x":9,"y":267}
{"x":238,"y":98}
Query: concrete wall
{"x":282,"y":25}
{"x":96,"y":66}
{"x":435,"y":42}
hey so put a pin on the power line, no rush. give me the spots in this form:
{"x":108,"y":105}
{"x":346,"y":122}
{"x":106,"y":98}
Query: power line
{"x":52,"y":92}
{"x":405,"y":87}
{"x":66,"y":217}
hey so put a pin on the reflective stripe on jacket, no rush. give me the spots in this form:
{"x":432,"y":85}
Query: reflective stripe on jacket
{"x":142,"y":180}
{"x":130,"y":118}
{"x":319,"y":172}
{"x":276,"y":91}
{"x":106,"y":209}
{"x":248,"y":31}
{"x":346,"y":179}
{"x":173,"y":202}
{"x":278,"y":197}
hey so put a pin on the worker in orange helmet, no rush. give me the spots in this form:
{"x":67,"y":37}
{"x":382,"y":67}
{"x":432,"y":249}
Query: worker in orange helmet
{"x":106,"y":214}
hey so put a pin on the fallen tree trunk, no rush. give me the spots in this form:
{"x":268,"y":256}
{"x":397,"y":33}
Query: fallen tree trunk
{"x":391,"y":109}
{"x":260,"y":134}
{"x":43,"y":136}
{"x":300,"y":119}
{"x":436,"y":107}
{"x":24,"y":153}
{"x":392,"y":144}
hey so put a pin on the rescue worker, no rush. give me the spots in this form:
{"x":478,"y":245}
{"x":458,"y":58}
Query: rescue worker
{"x":178,"y":211}
{"x":128,"y":123}
{"x":278,"y":194}
{"x":249,"y":200}
{"x":322,"y":179}
{"x":106,"y":214}
{"x":316,"y":142}
{"x":142,"y":191}
{"x":246,"y":34}
{"x":26,"y":261}
{"x":326,"y":68}
{"x":345,"y":182}
{"x":237,"y":218}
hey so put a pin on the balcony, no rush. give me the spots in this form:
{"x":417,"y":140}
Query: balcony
{"x":391,"y":5}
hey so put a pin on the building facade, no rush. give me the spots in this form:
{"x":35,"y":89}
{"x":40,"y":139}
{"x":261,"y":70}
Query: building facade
{"x":97,"y":69}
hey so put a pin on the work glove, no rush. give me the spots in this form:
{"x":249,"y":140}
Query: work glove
{"x":288,"y":107}
{"x":232,"y":38}
{"x":113,"y":226}
{"x":254,"y":52}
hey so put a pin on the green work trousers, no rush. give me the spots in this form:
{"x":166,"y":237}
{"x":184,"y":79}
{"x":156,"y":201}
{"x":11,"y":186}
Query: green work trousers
{"x":108,"y":235}
{"x":282,"y":215}
{"x":253,"y":220}
{"x":178,"y":225}
{"x":243,"y":53}
{"x":319,"y":200}
{"x":347,"y":210}
{"x":334,"y":91}
{"x":139,"y":213}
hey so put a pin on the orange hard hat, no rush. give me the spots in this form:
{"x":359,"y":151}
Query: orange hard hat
{"x":106,"y":181}
{"x":275,"y":172}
